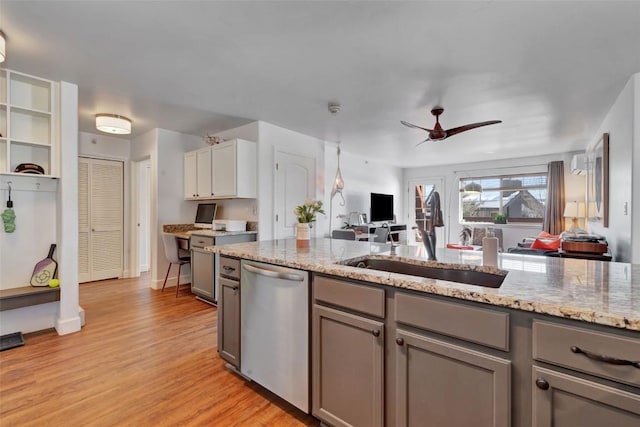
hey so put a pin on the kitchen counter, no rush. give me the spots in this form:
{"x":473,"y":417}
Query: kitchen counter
{"x":210,"y":233}
{"x":591,"y":291}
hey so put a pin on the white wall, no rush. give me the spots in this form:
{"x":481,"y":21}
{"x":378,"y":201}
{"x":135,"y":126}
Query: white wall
{"x":362,"y":176}
{"x":512,"y":233}
{"x":271,"y":138}
{"x":621,"y":122}
{"x":103,"y":146}
{"x":170,"y":206}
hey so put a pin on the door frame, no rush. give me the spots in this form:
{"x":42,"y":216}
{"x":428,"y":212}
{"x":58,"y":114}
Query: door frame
{"x":444,"y":199}
{"x":312,"y":185}
{"x":126,"y":205}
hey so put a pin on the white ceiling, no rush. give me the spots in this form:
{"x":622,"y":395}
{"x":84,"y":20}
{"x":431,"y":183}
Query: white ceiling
{"x":549,"y":70}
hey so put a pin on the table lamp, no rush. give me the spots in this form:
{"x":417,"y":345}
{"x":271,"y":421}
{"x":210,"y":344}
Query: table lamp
{"x":574,"y":210}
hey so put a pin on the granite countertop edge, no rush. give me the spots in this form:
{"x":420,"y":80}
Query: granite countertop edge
{"x":563,"y":307}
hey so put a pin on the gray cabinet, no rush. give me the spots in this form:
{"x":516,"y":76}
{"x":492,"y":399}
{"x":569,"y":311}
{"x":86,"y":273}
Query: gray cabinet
{"x":229,"y":311}
{"x":203,"y":264}
{"x":202,"y":268}
{"x":348,"y":368}
{"x":449,"y":385}
{"x":562,"y":400}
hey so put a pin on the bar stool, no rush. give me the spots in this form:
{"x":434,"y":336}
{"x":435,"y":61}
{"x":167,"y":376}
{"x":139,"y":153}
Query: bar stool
{"x":172,"y":252}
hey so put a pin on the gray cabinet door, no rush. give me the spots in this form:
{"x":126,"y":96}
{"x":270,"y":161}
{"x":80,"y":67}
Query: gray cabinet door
{"x":229,"y":321}
{"x":348,"y":368}
{"x":561,"y":400}
{"x":449,"y":385}
{"x":202,"y":273}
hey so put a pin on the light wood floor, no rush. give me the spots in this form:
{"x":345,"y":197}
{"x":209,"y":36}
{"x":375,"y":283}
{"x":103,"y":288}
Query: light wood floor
{"x":144,"y":358}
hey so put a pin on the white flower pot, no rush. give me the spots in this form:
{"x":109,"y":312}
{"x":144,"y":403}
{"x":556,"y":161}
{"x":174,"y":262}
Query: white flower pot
{"x":303,"y":234}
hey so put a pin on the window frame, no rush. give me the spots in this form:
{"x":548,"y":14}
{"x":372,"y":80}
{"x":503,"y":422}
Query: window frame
{"x":463,"y":180}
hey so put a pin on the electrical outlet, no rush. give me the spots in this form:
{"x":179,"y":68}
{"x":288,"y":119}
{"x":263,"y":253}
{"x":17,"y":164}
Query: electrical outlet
{"x":625,"y":209}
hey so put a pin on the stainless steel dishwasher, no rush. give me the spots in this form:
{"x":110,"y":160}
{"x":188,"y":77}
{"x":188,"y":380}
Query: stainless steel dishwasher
{"x":274,"y":330}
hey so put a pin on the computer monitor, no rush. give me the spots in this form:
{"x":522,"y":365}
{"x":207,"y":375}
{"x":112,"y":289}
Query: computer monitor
{"x":205,"y":215}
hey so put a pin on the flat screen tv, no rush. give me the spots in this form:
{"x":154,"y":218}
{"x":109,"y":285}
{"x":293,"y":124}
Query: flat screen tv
{"x":205,"y":215}
{"x":381,"y":207}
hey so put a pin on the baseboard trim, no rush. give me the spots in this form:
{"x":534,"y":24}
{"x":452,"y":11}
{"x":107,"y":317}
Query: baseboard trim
{"x":68,"y":326}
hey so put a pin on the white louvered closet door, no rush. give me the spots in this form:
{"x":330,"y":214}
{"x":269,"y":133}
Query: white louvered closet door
{"x":100,"y":217}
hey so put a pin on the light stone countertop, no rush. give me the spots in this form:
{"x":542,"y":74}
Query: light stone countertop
{"x":209,"y":233}
{"x":606,"y":293}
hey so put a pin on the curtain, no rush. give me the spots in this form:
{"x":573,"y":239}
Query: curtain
{"x":553,"y":219}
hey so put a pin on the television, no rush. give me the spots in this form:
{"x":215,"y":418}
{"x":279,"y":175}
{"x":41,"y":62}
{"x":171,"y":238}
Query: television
{"x":381,"y":207}
{"x":205,"y":215}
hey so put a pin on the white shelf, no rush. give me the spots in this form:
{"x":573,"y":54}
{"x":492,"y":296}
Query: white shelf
{"x":28,"y":182}
{"x":27,"y":117}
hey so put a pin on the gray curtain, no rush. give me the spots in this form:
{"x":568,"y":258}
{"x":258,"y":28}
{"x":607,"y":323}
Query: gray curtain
{"x":553,"y":219}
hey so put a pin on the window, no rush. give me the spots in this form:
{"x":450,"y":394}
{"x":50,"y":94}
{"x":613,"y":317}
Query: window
{"x":522,"y":197}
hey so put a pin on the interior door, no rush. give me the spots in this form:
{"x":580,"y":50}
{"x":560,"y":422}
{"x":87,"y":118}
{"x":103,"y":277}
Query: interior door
{"x":418,"y":191}
{"x":295,"y":183}
{"x":100,"y":219}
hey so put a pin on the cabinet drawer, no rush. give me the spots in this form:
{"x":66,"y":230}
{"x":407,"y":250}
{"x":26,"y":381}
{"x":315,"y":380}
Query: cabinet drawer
{"x":584,"y":350}
{"x":486,"y":327}
{"x":230,"y":267}
{"x":365,"y":299}
{"x":201,"y":241}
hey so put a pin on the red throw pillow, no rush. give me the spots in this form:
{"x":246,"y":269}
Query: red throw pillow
{"x":549,"y":245}
{"x":545,"y":235}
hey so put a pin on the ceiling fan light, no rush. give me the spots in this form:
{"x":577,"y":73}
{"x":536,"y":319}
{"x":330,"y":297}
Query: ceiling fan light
{"x":472,"y":188}
{"x":113,"y":123}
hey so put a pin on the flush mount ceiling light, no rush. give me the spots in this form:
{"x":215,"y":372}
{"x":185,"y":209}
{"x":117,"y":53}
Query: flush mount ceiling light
{"x":2,"y":47}
{"x":113,"y":123}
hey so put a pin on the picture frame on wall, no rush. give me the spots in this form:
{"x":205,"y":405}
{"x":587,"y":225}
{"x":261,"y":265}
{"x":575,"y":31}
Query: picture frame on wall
{"x":598,"y":182}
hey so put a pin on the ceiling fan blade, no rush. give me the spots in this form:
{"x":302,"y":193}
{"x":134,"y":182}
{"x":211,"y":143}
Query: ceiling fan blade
{"x":414,"y":126}
{"x":464,"y":128}
{"x":422,"y":142}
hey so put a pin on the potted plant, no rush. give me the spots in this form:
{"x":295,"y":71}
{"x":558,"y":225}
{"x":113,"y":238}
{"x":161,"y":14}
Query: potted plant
{"x":500,"y":219}
{"x":306,"y":214}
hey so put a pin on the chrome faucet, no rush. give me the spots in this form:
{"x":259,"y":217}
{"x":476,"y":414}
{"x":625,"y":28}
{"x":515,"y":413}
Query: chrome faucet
{"x":429,"y":242}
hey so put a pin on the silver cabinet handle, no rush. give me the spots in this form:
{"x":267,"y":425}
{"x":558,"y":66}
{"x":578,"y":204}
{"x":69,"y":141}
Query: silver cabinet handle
{"x":274,"y":274}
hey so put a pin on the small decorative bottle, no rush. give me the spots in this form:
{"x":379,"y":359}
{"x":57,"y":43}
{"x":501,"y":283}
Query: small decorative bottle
{"x":490,"y":249}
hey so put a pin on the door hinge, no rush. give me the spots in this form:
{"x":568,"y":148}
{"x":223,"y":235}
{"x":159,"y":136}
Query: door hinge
{"x":276,"y":217}
{"x":277,"y":166}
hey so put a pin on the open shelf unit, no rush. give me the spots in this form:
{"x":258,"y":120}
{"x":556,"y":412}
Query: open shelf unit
{"x":27,"y":125}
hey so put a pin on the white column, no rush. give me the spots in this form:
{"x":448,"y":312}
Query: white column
{"x":68,"y":319}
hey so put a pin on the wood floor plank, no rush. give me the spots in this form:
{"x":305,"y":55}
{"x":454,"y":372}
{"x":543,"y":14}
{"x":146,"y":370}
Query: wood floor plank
{"x":144,"y":358}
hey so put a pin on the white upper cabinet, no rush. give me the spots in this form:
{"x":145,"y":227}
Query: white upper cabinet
{"x":197,"y":174}
{"x":223,"y":171}
{"x":27,"y":122}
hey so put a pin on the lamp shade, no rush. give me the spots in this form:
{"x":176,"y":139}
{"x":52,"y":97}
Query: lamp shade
{"x":3,"y":47}
{"x":112,"y":123}
{"x":574,"y":210}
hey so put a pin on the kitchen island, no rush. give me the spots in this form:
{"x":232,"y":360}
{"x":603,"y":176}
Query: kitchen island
{"x":558,"y":342}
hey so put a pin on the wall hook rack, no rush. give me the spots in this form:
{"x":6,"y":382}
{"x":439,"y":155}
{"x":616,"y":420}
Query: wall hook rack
{"x":28,"y":183}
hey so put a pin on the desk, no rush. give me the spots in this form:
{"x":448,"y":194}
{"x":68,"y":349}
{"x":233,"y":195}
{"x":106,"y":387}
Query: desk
{"x":398,"y":232}
{"x":365,"y":236}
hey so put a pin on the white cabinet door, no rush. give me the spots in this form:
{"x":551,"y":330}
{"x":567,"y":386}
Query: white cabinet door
{"x":224,"y":169}
{"x":203,"y":160}
{"x":190,"y":175}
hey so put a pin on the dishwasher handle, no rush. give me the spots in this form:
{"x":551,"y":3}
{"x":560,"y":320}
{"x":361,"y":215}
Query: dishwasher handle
{"x":274,"y":274}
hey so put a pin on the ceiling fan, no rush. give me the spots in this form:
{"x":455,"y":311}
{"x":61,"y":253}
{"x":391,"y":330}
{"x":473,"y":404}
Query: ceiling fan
{"x":438,"y":134}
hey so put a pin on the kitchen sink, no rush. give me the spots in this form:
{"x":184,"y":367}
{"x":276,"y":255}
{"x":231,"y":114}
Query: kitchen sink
{"x":470,"y":277}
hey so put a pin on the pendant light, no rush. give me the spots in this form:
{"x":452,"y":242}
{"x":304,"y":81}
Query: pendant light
{"x":338,"y":182}
{"x":3,"y":46}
